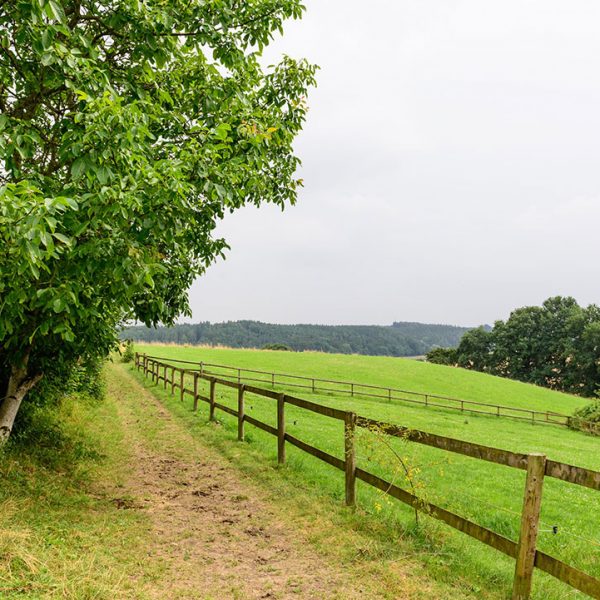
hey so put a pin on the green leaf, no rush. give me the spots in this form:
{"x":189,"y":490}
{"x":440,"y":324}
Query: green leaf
{"x":54,"y":10}
{"x":46,"y":39}
{"x":222,"y":131}
{"x":103,"y":175}
{"x":48,"y":58}
{"x":62,"y":238}
{"x":79,"y":167}
{"x":58,"y":305}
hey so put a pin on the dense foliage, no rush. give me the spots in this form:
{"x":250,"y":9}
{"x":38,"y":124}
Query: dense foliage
{"x":556,"y":345}
{"x":127,"y":130}
{"x":587,"y":418}
{"x":38,"y":422}
{"x":401,"y":339}
{"x":127,"y":352}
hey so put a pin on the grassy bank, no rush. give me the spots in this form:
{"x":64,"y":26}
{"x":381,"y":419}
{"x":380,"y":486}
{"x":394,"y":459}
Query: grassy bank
{"x":62,"y":533}
{"x":489,"y":494}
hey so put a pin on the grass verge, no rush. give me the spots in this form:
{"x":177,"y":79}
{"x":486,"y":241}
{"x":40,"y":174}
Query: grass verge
{"x":62,"y":535}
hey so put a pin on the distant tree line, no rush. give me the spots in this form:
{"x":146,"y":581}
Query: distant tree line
{"x":399,"y":339}
{"x":556,"y":345}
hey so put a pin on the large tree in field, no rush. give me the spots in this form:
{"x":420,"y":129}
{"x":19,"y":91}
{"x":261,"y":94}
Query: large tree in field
{"x":127,"y":129}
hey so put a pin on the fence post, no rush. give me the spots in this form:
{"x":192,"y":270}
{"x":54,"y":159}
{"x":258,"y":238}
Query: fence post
{"x":165,"y":377}
{"x":181,"y":376}
{"x":281,"y":429}
{"x":212,"y":399}
{"x":155,"y":372}
{"x":313,"y":386}
{"x":351,"y":389}
{"x":350,"y":458}
{"x":172,"y":381}
{"x":272,"y":379}
{"x":530,"y":518}
{"x":195,"y":392}
{"x":241,"y":413}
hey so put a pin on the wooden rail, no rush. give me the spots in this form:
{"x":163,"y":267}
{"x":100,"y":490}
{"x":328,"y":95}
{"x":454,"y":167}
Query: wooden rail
{"x":527,"y":557}
{"x":353,"y":388}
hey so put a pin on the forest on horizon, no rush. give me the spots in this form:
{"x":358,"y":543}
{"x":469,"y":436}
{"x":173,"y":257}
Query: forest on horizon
{"x":398,"y":339}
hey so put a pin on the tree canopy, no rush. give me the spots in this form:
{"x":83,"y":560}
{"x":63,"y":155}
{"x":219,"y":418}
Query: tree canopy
{"x":555,"y":345}
{"x":127,"y":130}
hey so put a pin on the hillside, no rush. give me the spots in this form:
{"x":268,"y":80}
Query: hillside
{"x":385,"y":371}
{"x":400,"y":339}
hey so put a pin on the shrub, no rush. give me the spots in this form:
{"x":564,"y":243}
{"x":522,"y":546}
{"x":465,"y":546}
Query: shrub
{"x":39,"y":422}
{"x":128,"y":354}
{"x":587,"y":418}
{"x":277,"y":347}
{"x":442,"y":356}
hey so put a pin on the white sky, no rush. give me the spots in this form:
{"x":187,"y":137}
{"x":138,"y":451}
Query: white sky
{"x":450,"y":162}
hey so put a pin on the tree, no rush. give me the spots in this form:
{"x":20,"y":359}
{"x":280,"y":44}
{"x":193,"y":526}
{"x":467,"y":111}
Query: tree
{"x":474,"y":349}
{"x":127,"y":130}
{"x":555,"y":345}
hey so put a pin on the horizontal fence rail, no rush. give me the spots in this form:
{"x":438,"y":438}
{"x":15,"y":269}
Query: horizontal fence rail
{"x":537,"y":467}
{"x":315,"y":384}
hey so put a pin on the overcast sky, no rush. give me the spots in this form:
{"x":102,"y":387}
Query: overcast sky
{"x":451,"y":168}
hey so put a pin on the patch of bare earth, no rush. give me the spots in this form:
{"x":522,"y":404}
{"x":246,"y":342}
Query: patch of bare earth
{"x":212,"y":534}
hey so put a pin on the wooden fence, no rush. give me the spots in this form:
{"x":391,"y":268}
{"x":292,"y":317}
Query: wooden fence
{"x":352,"y":389}
{"x":537,"y":467}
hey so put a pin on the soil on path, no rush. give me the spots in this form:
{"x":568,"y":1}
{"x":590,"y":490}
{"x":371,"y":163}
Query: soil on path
{"x":210,"y":531}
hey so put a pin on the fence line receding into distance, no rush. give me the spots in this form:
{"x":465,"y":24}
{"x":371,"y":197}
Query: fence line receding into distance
{"x":315,"y":384}
{"x":537,"y":467}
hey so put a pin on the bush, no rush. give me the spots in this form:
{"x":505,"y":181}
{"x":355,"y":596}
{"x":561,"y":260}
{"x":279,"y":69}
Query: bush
{"x":128,"y":354}
{"x":587,"y":418}
{"x":39,"y":421}
{"x":277,"y":347}
{"x":442,"y":356}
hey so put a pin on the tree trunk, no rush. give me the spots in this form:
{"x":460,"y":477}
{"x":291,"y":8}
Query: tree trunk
{"x":18,"y":386}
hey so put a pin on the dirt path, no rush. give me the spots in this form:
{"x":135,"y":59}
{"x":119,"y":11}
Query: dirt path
{"x":212,"y":534}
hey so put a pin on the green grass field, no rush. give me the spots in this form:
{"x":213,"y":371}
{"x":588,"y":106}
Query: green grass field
{"x":489,"y":494}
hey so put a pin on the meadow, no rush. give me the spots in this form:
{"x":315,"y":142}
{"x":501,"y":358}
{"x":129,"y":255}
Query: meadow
{"x":489,"y":494}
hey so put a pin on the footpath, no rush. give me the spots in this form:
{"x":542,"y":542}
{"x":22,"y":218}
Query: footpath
{"x":214,"y":533}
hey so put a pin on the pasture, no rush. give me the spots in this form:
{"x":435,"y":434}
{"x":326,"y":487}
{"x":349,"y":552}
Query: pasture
{"x":488,"y":494}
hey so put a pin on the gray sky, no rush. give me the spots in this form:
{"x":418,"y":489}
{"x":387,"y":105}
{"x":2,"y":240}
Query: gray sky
{"x":450,"y":162}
